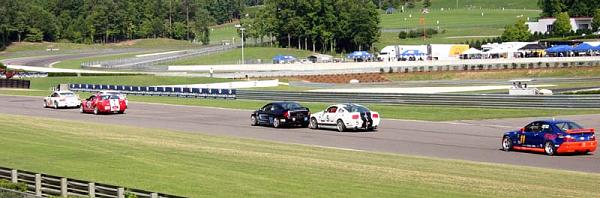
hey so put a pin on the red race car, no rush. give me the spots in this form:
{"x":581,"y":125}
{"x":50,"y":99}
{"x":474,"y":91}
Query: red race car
{"x":104,"y":103}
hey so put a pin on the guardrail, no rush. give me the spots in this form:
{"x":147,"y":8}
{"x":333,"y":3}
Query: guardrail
{"x":47,"y":185}
{"x":467,"y":100}
{"x":13,"y":83}
{"x":159,"y":91}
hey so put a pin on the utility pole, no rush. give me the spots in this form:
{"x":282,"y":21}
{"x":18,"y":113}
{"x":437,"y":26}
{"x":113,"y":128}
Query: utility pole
{"x":456,"y":4}
{"x":241,"y":29}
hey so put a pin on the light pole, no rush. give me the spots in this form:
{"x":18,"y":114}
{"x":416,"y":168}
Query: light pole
{"x":242,"y":29}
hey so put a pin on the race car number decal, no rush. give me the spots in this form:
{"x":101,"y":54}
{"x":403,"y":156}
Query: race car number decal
{"x":522,"y":139}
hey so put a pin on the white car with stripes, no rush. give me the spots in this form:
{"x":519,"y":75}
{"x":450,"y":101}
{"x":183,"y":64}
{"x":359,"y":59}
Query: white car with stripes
{"x":62,"y":99}
{"x":344,"y":117}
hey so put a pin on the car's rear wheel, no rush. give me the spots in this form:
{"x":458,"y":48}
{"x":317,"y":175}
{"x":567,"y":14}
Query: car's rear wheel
{"x":96,"y":111}
{"x":276,"y":123}
{"x":549,"y":148}
{"x":313,"y":124}
{"x":80,"y":108}
{"x":507,"y":143}
{"x":45,"y":104}
{"x":253,"y":120}
{"x":341,"y":127}
{"x":122,"y":112}
{"x":55,"y":105}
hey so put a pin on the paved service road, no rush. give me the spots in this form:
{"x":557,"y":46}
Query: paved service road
{"x":465,"y":140}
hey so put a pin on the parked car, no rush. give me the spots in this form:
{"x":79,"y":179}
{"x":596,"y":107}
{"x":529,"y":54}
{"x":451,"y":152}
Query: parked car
{"x":551,"y":137}
{"x":343,"y":117}
{"x":103,"y":103}
{"x":279,"y":114}
{"x":60,"y":99}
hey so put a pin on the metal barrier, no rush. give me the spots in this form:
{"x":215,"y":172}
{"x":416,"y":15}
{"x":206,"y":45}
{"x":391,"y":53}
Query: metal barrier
{"x":467,"y":100}
{"x":186,"y":92}
{"x":12,"y":83}
{"x":47,"y":185}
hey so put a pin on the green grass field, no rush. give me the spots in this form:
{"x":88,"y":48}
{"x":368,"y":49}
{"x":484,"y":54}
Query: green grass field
{"x":265,"y":54}
{"x":224,"y":32}
{"x":76,"y":63}
{"x":196,"y":165}
{"x":508,"y":4}
{"x":460,"y":24}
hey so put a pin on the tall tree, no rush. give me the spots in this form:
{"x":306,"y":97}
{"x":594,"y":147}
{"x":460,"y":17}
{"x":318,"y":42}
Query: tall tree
{"x":562,"y":25}
{"x":596,"y":20}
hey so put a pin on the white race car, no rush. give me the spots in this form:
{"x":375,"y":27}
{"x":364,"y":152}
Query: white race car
{"x":62,"y":99}
{"x":345,"y":116}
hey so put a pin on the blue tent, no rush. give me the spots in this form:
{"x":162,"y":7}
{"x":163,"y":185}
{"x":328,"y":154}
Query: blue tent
{"x":360,"y":55}
{"x":559,"y":49}
{"x":584,"y":47}
{"x":283,"y":59}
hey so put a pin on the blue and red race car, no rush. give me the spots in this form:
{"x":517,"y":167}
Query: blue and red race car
{"x":551,"y":137}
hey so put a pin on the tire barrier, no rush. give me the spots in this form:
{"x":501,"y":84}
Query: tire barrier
{"x":158,"y":91}
{"x":12,"y":83}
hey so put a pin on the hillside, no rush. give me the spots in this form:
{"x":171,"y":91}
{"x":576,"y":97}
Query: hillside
{"x":489,"y":4}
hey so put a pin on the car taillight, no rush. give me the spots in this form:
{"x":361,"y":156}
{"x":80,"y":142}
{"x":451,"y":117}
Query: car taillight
{"x":569,"y":138}
{"x":355,"y":116}
{"x":593,"y":137}
{"x":286,"y":114}
{"x":375,"y":115}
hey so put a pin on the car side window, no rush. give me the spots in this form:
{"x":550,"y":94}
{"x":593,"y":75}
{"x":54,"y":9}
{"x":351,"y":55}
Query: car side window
{"x":276,"y":107}
{"x":54,"y":95}
{"x":91,"y":98}
{"x":533,"y":127}
{"x":267,"y":108}
{"x":545,"y":127}
{"x":332,"y":109}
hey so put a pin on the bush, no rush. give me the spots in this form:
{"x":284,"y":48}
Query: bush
{"x":402,"y":35}
{"x":381,"y":70}
{"x":22,"y":187}
{"x":391,"y":70}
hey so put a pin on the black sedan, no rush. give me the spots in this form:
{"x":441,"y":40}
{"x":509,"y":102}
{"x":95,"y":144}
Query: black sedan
{"x":279,"y":114}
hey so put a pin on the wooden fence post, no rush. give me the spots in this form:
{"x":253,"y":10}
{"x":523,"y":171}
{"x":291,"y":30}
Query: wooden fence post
{"x":120,"y":193}
{"x":38,"y":184}
{"x":14,"y":176}
{"x":153,"y":195}
{"x":92,"y":190}
{"x":63,"y":187}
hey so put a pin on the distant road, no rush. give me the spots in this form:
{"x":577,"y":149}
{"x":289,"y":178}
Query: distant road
{"x":463,"y":140}
{"x":44,"y":61}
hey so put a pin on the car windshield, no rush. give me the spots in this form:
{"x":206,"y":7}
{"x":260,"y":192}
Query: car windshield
{"x":563,"y":126}
{"x":68,"y":94}
{"x":106,"y":97}
{"x":291,"y":105}
{"x":356,"y":108}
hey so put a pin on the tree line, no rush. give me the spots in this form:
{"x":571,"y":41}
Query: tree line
{"x":102,"y":21}
{"x":575,"y":8}
{"x":318,"y":25}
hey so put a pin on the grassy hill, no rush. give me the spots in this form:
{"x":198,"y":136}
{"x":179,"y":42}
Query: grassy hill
{"x":495,"y":4}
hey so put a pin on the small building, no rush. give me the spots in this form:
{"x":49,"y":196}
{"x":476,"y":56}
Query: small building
{"x":545,"y":25}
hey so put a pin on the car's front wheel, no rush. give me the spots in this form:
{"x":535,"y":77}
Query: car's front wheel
{"x":253,"y":120}
{"x":45,"y":104}
{"x":55,"y":105}
{"x":341,"y":127}
{"x":506,"y":143}
{"x":313,"y":124}
{"x":549,"y":148}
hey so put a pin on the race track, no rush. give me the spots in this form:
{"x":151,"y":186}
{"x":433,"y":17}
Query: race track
{"x":464,"y":140}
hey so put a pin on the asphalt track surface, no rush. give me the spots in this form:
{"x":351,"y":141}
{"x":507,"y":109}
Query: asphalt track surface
{"x":45,"y":61}
{"x":464,"y":140}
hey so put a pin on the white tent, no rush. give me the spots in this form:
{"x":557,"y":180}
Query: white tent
{"x":472,"y":51}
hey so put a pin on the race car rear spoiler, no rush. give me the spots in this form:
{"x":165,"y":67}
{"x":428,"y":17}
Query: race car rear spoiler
{"x":571,"y":131}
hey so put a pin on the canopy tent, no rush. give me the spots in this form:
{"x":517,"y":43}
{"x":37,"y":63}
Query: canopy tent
{"x":532,"y":47}
{"x":320,"y":58}
{"x":283,"y":59}
{"x":360,"y":55}
{"x":472,"y":51}
{"x":584,"y":47}
{"x":559,"y":49}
